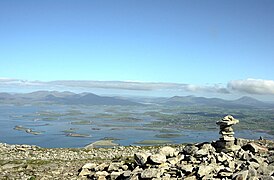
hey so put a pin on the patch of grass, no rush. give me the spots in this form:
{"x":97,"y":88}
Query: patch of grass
{"x":169,"y":135}
{"x":153,"y":142}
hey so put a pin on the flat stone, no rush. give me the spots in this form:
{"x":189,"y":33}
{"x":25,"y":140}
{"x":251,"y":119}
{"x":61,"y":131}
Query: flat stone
{"x":187,"y":168}
{"x":225,"y":174}
{"x":204,"y":170}
{"x":157,"y":158}
{"x":151,"y":173}
{"x":226,"y":133}
{"x":226,"y":123}
{"x":114,"y":175}
{"x":227,"y":138}
{"x":114,"y":166}
{"x":89,"y":166}
{"x":201,"y":152}
{"x":102,"y":167}
{"x":102,"y":173}
{"x":126,"y":173}
{"x":254,"y":147}
{"x":84,"y":172}
{"x":173,"y":160}
{"x":190,"y":178}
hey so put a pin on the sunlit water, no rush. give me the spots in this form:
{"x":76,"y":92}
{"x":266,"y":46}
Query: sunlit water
{"x":125,"y":132}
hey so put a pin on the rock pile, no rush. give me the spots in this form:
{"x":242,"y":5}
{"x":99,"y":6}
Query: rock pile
{"x":193,"y":161}
{"x":227,"y":140}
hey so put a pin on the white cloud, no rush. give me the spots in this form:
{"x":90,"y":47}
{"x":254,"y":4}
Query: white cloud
{"x":252,"y":86}
{"x":6,"y":80}
{"x":119,"y":85}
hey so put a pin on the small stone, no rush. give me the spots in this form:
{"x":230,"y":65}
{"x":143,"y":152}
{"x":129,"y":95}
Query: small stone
{"x":101,"y":178}
{"x":114,"y":175}
{"x":102,"y":173}
{"x":247,"y":156}
{"x":89,"y":166}
{"x":188,"y":168}
{"x":252,"y":173}
{"x":167,"y":151}
{"x":151,"y":173}
{"x":204,"y":170}
{"x":157,"y":158}
{"x":84,"y":172}
{"x":254,"y":147}
{"x":208,"y":147}
{"x":166,"y":177}
{"x":141,"y":158}
{"x":190,"y":149}
{"x":190,"y":178}
{"x":253,"y":165}
{"x":227,"y":138}
{"x":201,"y":152}
{"x":114,"y":166}
{"x":221,"y":157}
{"x":267,"y":177}
{"x":242,"y":142}
{"x":173,"y":160}
{"x":265,"y":169}
{"x":124,"y":167}
{"x":242,"y":175}
{"x":101,"y":167}
{"x":270,"y":159}
{"x":126,"y":173}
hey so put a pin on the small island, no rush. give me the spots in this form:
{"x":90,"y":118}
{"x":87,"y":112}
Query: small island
{"x":226,"y":158}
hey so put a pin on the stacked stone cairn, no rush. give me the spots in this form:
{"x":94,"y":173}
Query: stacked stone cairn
{"x":226,"y":143}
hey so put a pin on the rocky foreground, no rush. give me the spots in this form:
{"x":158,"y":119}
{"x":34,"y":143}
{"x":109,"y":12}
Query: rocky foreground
{"x":254,"y":160}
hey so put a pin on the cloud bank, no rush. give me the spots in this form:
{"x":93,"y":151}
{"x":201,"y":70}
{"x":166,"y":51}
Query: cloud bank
{"x":247,"y":86}
{"x":118,"y":85}
{"x":253,"y":86}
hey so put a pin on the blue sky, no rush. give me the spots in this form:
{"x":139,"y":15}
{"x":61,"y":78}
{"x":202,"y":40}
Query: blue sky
{"x":202,"y":44}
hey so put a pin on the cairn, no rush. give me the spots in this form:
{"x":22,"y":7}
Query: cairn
{"x":226,"y":143}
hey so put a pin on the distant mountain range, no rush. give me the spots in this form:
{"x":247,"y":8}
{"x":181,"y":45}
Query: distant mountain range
{"x":71,"y":98}
{"x":202,"y":101}
{"x":63,"y":98}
